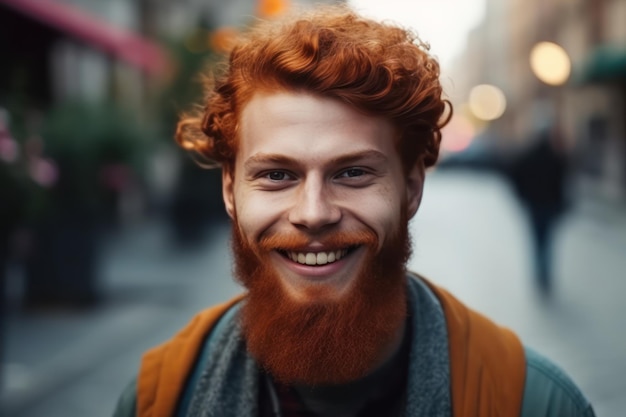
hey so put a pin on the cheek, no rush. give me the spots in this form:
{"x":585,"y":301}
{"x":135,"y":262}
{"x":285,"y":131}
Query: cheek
{"x":382,"y":214}
{"x":255,"y":213}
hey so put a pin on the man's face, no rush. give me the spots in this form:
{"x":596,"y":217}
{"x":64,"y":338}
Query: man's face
{"x":309,"y":168}
{"x":320,"y":207}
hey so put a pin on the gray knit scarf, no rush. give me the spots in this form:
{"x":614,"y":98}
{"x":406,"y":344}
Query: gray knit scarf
{"x":229,"y":383}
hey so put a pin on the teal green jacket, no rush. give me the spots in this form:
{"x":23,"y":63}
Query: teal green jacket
{"x":548,"y":391}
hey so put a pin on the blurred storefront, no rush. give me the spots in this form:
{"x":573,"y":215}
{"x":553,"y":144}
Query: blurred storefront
{"x":587,"y":106}
{"x":73,"y":90}
{"x":58,"y":51}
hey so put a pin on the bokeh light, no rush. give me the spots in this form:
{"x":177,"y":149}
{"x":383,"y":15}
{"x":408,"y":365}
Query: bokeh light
{"x":272,"y":8}
{"x":223,"y":39}
{"x":458,"y":134}
{"x":487,"y":102}
{"x":550,"y":63}
{"x":9,"y":151}
{"x":43,"y":171}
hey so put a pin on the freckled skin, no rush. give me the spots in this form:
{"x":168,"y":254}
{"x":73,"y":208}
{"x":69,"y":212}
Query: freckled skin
{"x":317,"y":165}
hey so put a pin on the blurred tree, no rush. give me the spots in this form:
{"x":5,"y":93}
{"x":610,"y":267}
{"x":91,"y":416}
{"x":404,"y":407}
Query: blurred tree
{"x":192,"y":55}
{"x":85,"y":156}
{"x":196,"y":202}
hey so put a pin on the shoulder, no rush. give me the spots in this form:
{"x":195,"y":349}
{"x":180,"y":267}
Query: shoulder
{"x":550,"y":392}
{"x":174,"y":362}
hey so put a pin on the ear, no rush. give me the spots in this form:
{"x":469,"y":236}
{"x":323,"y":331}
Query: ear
{"x":228,"y":192}
{"x":414,"y":187}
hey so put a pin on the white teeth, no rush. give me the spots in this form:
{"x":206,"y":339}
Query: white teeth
{"x":322,"y":258}
{"x":319,"y":258}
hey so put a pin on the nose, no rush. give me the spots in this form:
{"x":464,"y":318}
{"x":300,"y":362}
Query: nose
{"x":314,"y":208}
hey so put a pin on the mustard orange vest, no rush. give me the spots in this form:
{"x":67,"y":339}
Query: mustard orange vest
{"x":487,"y":363}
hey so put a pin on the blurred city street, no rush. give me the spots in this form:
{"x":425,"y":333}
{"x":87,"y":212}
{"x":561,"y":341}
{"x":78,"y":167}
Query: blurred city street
{"x":470,"y":236}
{"x":112,"y":237}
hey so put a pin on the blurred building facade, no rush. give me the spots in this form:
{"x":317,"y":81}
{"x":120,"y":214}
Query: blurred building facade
{"x":98,"y":50}
{"x":589,"y":109}
{"x":76,"y":50}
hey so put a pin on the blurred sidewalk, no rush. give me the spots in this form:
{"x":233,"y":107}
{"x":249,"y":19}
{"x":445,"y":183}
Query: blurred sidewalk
{"x":469,"y":235}
{"x":75,"y":363}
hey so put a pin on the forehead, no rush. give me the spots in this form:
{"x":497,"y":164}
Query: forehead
{"x":312,"y":127}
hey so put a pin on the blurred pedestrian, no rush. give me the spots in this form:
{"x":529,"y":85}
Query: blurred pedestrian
{"x":538,"y":175}
{"x":324,"y":125}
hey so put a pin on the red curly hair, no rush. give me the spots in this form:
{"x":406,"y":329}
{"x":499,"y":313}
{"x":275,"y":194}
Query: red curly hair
{"x":375,"y":67}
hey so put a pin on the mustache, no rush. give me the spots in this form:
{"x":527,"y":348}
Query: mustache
{"x":295,"y":241}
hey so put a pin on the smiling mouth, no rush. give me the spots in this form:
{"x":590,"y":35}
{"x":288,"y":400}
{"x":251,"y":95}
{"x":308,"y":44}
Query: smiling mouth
{"x":317,"y":258}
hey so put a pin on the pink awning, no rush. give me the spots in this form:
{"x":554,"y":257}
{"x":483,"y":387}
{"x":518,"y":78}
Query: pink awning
{"x":123,"y":44}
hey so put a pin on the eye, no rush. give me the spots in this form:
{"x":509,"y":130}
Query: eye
{"x":277,"y":176}
{"x":352,"y":173}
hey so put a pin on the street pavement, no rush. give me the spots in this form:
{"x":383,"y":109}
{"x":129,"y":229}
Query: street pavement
{"x":470,"y":236}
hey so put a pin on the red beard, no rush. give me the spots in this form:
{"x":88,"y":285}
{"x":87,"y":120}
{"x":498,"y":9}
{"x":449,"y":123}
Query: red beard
{"x":328,"y":340}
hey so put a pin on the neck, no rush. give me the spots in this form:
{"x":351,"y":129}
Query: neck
{"x":347,"y":399}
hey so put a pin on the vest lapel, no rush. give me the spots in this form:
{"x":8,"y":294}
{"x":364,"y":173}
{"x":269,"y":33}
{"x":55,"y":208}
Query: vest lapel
{"x":487,"y":362}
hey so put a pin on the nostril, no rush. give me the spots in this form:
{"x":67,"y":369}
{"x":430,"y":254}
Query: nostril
{"x":315,"y":215}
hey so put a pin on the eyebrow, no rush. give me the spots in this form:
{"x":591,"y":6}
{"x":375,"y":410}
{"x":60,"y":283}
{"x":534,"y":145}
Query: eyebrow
{"x":369,"y":154}
{"x":263,"y":158}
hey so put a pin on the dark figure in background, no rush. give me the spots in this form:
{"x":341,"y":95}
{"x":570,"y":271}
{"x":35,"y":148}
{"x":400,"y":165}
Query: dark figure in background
{"x":538,"y":176}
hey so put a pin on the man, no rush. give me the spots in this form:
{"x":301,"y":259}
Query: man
{"x":324,"y":125}
{"x":539,"y":177}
